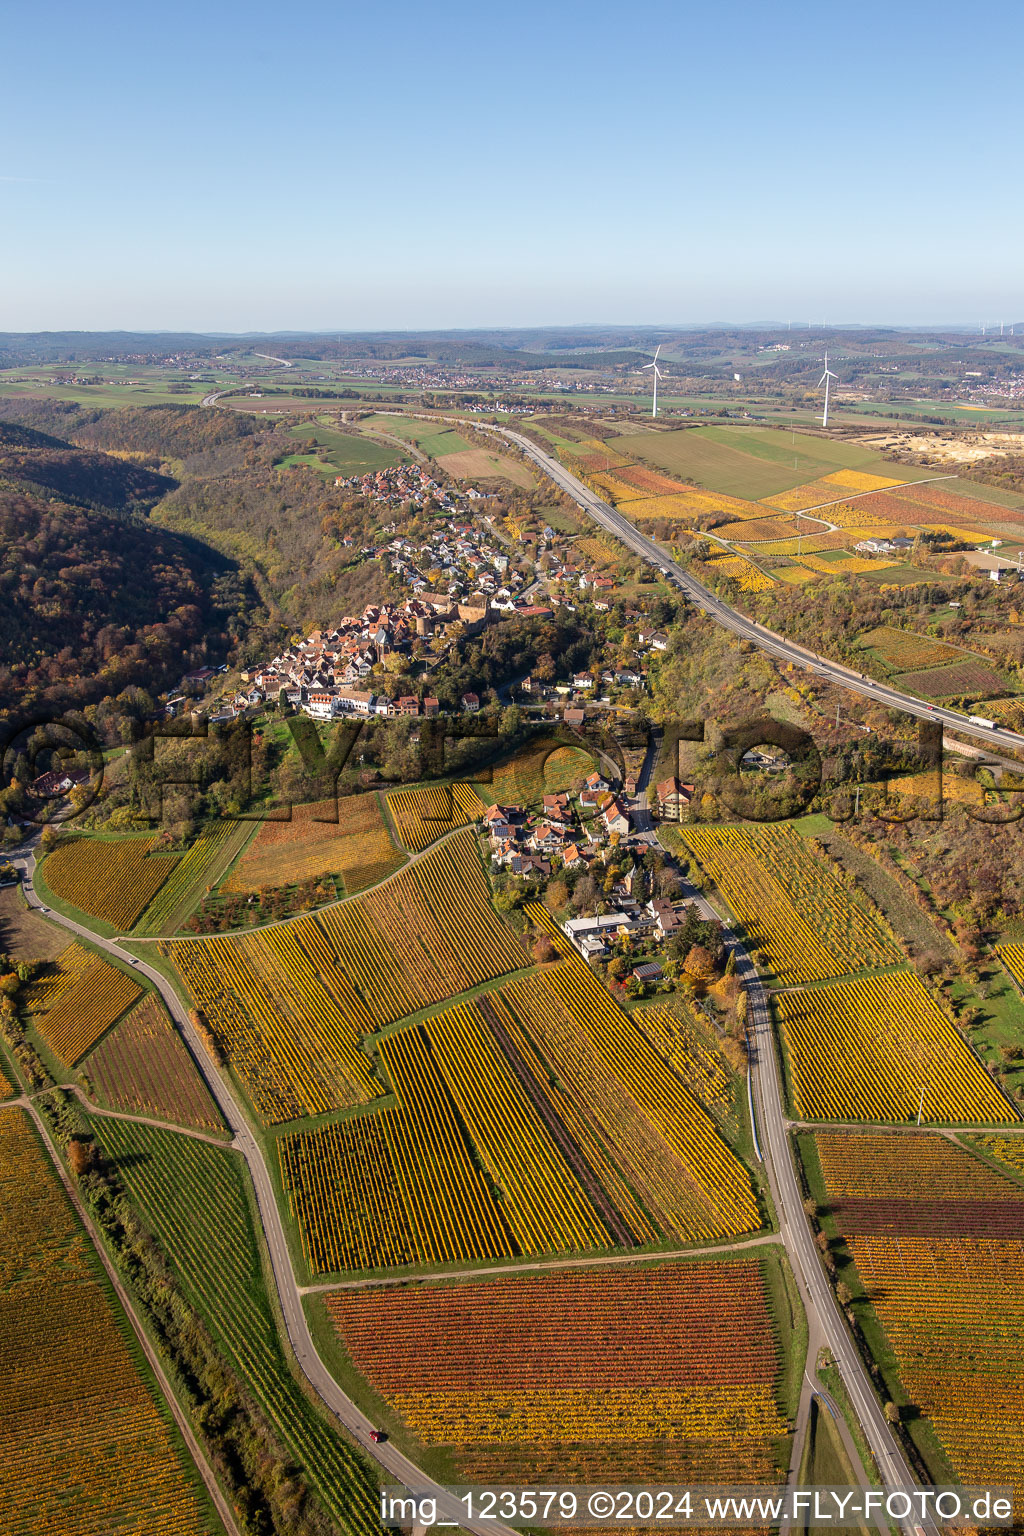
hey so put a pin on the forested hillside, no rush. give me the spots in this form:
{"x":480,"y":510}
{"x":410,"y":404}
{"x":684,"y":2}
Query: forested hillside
{"x":31,"y":460}
{"x":286,"y":524}
{"x":152,"y":431}
{"x":136,"y":543}
{"x":90,"y":604}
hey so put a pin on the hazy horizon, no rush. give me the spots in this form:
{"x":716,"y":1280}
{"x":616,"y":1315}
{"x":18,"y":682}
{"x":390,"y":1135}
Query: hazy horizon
{"x":288,"y":333}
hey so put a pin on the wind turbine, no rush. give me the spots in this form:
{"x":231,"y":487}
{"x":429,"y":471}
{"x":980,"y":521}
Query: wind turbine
{"x":825,"y":379}
{"x":656,"y":376}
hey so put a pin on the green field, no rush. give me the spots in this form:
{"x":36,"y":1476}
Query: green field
{"x":431,"y":437}
{"x":753,"y":462}
{"x":825,"y":1462}
{"x":896,"y":575}
{"x":343,"y":453}
{"x":993,"y":494}
{"x":104,"y":395}
{"x":920,"y":410}
{"x":192,"y":1197}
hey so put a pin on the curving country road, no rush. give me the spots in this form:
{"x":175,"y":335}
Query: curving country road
{"x":398,"y":1467}
{"x":613,"y":522}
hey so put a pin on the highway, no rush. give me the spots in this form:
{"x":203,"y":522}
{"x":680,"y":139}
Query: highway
{"x":218,"y":394}
{"x":613,"y":522}
{"x":398,"y":1467}
{"x":765,"y":639}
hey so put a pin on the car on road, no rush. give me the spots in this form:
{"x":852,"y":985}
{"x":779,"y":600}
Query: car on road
{"x":378,"y":1436}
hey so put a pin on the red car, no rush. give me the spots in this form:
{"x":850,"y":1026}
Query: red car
{"x":378,"y":1436}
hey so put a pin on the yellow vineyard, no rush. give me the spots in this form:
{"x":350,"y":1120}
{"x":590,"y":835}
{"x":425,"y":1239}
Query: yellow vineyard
{"x":906,"y":1167}
{"x":394,"y":1187}
{"x":1012,"y":956}
{"x":748,"y":575}
{"x":613,"y":1413}
{"x":1009,"y":1150}
{"x":399,"y":1186}
{"x":853,"y":565}
{"x":542,"y":768}
{"x":686,"y":1049}
{"x":482,"y":1155}
{"x":56,"y":979}
{"x":830,"y":488}
{"x":82,"y":1002}
{"x":83,"y":1446}
{"x":880,"y":1048}
{"x":291,"y":1003}
{"x":802,"y":924}
{"x":423,"y":815}
{"x":723,"y":1201}
{"x":544,"y":1205}
{"x":355,"y":846}
{"x":676,"y":507}
{"x":757,"y":529}
{"x":113,"y":881}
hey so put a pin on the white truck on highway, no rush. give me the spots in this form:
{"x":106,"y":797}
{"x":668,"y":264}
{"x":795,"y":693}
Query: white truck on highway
{"x":989,"y":725}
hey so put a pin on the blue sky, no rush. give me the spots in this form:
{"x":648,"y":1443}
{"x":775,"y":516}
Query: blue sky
{"x":220,"y":166}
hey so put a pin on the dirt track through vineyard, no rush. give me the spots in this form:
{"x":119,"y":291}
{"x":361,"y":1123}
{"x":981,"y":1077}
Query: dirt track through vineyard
{"x":567,"y":1145}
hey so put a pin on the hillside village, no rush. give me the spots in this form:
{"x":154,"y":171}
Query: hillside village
{"x":461,"y":576}
{"x":565,"y":834}
{"x":326,"y":674}
{"x":462,"y":560}
{"x":405,"y":485}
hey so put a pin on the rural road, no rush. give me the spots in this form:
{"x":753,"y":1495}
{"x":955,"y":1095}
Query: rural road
{"x":603,"y":1261}
{"x":841,"y":501}
{"x":826,"y":1322}
{"x":397,"y":1466}
{"x":148,"y":1348}
{"x":218,"y":394}
{"x":765,"y":639}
